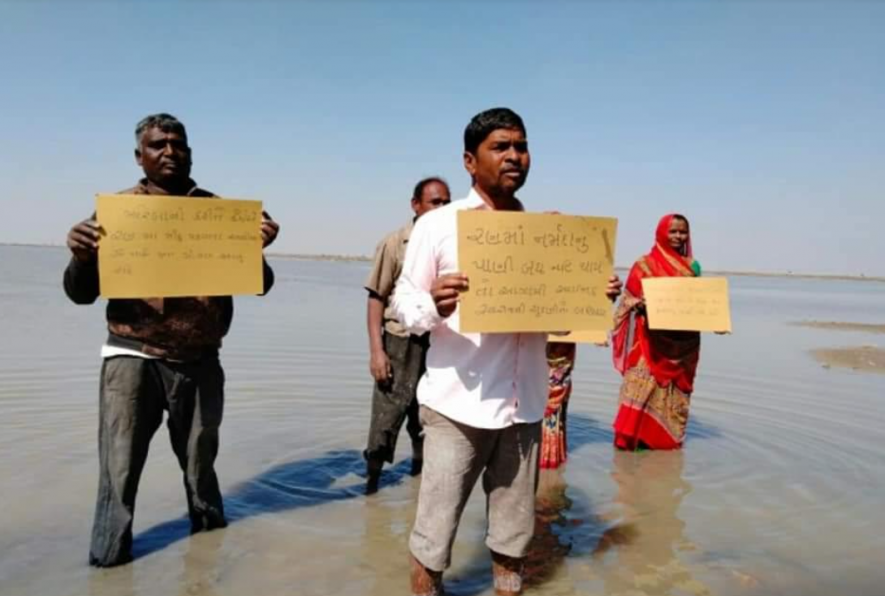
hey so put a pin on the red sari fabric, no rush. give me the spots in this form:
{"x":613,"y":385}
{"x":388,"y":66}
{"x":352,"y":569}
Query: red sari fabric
{"x":554,"y":445}
{"x":671,"y":357}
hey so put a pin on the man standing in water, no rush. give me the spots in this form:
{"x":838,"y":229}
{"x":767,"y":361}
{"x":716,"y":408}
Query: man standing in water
{"x":397,"y":357}
{"x":483,"y":395}
{"x":161,"y":354}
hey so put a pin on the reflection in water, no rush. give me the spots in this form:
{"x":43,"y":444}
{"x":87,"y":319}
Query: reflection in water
{"x":199,"y":576}
{"x":385,"y":543}
{"x":554,"y":536}
{"x":288,"y":486}
{"x":547,"y":551}
{"x":201,"y":565}
{"x":119,"y":581}
{"x":646,"y":543}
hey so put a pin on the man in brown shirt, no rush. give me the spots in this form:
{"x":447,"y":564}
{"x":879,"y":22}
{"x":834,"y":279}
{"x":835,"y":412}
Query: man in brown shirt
{"x":397,"y":358}
{"x":161,"y":354}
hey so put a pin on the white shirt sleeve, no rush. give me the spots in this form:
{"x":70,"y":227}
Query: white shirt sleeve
{"x":412,"y":302}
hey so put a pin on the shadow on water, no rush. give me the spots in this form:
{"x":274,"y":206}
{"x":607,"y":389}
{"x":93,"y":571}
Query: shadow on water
{"x":553,"y":540}
{"x":285,"y":487}
{"x":556,"y":530}
{"x":310,"y":482}
{"x":566,"y":524}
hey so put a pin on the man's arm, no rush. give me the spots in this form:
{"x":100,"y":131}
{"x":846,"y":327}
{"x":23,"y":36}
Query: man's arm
{"x":412,"y":301}
{"x":379,"y":363}
{"x":81,"y":281}
{"x":379,"y":284}
{"x":81,"y":274}
{"x":269,"y":231}
{"x":269,"y":277}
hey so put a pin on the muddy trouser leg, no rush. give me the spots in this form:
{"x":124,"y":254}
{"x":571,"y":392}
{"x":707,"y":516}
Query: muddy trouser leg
{"x":392,"y":401}
{"x":455,"y":457}
{"x":130,"y":411}
{"x":195,"y":393}
{"x":413,"y":423}
{"x":418,"y":365}
{"x":416,"y":432}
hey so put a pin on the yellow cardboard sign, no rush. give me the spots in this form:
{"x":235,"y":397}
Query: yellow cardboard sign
{"x":160,"y":246}
{"x":534,"y":272}
{"x":581,"y":337}
{"x":687,"y":303}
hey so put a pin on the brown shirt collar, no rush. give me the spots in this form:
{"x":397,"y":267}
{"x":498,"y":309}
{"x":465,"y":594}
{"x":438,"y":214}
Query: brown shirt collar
{"x":147,"y":187}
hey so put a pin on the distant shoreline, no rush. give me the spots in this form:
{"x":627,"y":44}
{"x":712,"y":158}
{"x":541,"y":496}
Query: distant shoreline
{"x":366,"y":259}
{"x":791,"y":275}
{"x":842,"y":326}
{"x":319,"y":257}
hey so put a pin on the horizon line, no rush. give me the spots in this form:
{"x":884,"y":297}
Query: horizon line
{"x":364,"y":258}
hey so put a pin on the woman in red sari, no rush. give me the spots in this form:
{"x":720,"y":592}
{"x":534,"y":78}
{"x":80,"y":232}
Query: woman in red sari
{"x":658,"y":366}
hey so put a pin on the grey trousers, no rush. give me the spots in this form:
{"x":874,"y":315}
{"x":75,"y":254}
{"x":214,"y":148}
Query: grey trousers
{"x":134,"y":393}
{"x":456,"y":455}
{"x":394,"y":402}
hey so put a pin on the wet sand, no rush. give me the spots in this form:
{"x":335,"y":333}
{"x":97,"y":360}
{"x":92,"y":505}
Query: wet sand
{"x":778,"y":489}
{"x":864,"y":358}
{"x":841,"y":326}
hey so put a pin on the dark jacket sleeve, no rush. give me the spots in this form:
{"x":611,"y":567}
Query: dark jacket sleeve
{"x":268,"y":276}
{"x":81,"y":281}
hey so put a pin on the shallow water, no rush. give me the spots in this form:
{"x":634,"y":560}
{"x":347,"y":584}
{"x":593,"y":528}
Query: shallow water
{"x":778,"y":490}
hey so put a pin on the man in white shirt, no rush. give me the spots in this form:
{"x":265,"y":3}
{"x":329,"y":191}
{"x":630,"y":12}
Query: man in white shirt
{"x":483,"y":395}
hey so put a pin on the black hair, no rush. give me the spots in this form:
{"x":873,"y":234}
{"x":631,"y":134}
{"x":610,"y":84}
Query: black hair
{"x":419,"y":188}
{"x":163,"y":121}
{"x":484,"y":123}
{"x":682,"y":217}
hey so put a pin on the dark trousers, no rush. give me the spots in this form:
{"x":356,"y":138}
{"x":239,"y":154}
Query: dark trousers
{"x":394,"y":401}
{"x":134,"y":393}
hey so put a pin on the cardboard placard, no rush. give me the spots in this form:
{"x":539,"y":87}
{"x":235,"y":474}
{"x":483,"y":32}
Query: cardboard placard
{"x":535,"y":272}
{"x":161,"y":246}
{"x":687,"y":303}
{"x":581,"y":337}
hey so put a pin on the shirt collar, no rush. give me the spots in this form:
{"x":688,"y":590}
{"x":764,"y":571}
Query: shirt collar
{"x":149,"y":188}
{"x":406,"y":231}
{"x":474,"y":201}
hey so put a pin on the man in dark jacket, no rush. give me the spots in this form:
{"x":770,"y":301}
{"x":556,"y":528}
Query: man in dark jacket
{"x":161,"y":354}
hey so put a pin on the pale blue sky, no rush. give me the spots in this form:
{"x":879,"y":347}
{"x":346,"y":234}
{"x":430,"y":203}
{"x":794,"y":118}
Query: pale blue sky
{"x":764,"y":122}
